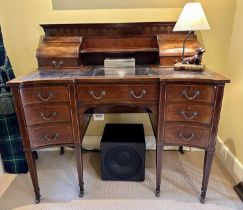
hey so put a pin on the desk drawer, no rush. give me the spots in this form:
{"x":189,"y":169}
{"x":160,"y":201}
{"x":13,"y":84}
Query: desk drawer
{"x":50,"y":135}
{"x":186,"y":135}
{"x":47,"y":114}
{"x":58,"y":63}
{"x":189,"y":113}
{"x":195,"y":93}
{"x":45,"y":94}
{"x":117,"y":93}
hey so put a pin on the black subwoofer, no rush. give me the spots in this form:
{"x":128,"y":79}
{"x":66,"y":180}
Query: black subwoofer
{"x":123,"y":152}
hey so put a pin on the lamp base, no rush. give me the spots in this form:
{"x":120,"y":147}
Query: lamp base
{"x":189,"y":67}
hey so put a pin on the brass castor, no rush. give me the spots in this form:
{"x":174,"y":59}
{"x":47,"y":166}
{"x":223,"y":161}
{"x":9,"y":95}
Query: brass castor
{"x":81,"y":194}
{"x":157,"y":193}
{"x":203,"y":197}
{"x":37,"y":199}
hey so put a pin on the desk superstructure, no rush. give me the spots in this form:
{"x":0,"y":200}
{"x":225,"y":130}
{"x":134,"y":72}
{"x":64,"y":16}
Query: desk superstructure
{"x":54,"y":103}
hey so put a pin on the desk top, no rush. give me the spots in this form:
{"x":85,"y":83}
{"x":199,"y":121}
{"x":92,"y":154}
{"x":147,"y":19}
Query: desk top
{"x":99,"y":74}
{"x":75,"y":53}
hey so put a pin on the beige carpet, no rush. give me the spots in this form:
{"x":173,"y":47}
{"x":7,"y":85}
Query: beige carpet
{"x":180,"y":186}
{"x":124,"y":205}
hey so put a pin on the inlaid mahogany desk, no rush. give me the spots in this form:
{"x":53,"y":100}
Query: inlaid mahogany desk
{"x":54,"y":104}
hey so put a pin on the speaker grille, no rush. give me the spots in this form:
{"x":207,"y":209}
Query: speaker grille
{"x":123,"y":152}
{"x":123,"y":162}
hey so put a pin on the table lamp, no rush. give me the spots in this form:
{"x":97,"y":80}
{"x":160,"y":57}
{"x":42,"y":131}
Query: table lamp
{"x":192,"y":18}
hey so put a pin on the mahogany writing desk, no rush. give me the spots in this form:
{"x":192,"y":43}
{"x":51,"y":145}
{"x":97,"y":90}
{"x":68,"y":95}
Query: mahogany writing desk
{"x":54,"y":104}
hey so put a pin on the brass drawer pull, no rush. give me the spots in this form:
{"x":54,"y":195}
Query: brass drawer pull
{"x":132,"y":93}
{"x":185,"y":115}
{"x":54,"y":63}
{"x":42,"y":114}
{"x":186,"y":138}
{"x":196,"y":93}
{"x":60,"y":64}
{"x":53,"y":138}
{"x":45,"y":99}
{"x":92,"y":93}
{"x":57,"y":64}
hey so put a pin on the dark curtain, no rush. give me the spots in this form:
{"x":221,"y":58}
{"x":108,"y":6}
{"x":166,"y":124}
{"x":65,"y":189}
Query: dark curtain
{"x":11,"y":148}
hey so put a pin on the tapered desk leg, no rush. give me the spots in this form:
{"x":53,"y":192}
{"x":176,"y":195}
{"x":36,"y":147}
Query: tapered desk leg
{"x":33,"y":174}
{"x":79,"y":159}
{"x":208,"y":160}
{"x":158,"y":169}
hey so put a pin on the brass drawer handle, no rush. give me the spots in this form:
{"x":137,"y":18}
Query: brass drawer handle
{"x":45,"y":99}
{"x":54,"y":63}
{"x":57,"y":64}
{"x":196,"y":93}
{"x":92,"y":93}
{"x":181,"y":135}
{"x":132,"y":93}
{"x":185,"y":115}
{"x":42,"y":114}
{"x":60,"y":64}
{"x":53,"y":138}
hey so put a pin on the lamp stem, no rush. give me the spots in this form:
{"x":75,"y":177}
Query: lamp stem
{"x":184,"y":44}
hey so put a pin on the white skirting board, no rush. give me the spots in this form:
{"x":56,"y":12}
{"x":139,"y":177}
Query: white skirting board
{"x":228,"y":160}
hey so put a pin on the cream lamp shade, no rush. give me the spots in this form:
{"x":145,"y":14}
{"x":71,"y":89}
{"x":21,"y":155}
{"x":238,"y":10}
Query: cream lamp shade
{"x":192,"y":18}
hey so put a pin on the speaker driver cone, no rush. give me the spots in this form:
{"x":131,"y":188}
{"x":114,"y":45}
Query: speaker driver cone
{"x":123,"y":162}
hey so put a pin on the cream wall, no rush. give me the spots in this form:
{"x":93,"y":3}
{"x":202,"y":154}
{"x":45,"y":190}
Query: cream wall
{"x":231,"y":126}
{"x":114,"y":4}
{"x":224,"y":54}
{"x":20,"y":20}
{"x":220,"y":14}
{"x":21,"y":31}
